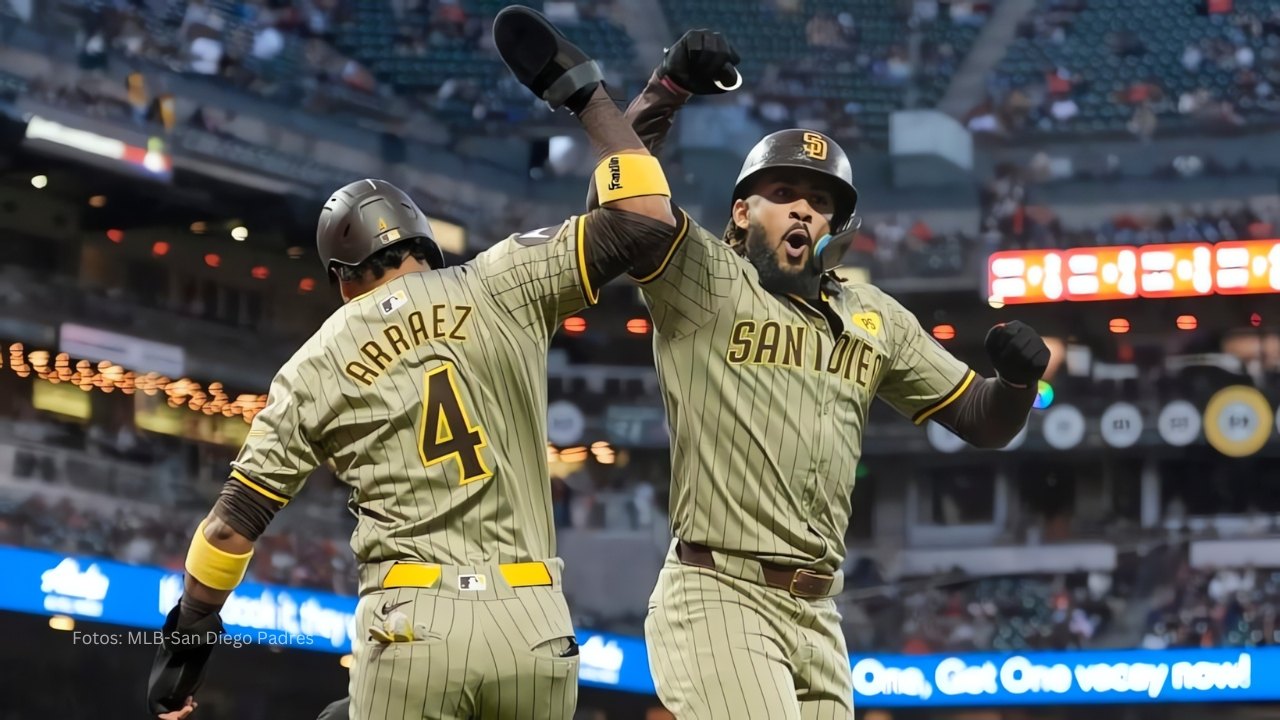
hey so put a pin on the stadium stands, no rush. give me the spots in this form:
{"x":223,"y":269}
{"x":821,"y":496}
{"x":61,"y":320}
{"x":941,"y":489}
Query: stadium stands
{"x":1090,"y":66}
{"x":841,"y":67}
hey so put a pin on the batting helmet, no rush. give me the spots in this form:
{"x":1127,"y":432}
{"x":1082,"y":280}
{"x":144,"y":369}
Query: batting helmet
{"x":806,"y":150}
{"x":366,"y":217}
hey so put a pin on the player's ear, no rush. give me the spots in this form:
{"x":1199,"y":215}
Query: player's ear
{"x":741,"y":214}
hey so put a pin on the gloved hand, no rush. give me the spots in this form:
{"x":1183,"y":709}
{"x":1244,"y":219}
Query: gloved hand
{"x":1018,"y":354}
{"x":700,"y":58}
{"x":178,"y":669}
{"x":543,"y":59}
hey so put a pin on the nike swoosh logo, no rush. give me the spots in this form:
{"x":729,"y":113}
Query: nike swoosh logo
{"x":387,"y":607}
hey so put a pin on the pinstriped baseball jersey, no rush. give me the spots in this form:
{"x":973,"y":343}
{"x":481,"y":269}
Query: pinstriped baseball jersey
{"x":767,"y":397}
{"x":428,"y":397}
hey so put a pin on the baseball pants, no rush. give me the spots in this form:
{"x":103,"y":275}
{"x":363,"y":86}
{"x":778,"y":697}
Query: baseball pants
{"x":472,"y":645}
{"x":725,"y":648}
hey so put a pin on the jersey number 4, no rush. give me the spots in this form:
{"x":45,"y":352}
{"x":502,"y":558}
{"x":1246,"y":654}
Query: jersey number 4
{"x":446,"y":431}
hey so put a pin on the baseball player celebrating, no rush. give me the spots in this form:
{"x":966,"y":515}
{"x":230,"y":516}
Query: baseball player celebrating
{"x":426,"y":393}
{"x":769,"y":361}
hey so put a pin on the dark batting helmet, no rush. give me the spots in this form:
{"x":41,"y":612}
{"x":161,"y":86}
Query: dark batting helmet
{"x":366,"y":217}
{"x":805,"y":150}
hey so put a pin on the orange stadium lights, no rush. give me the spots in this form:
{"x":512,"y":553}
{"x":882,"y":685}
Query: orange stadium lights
{"x":115,"y":235}
{"x":1123,"y":272}
{"x":1186,"y":322}
{"x":108,"y":377}
{"x":306,"y":285}
{"x":575,"y":325}
{"x":944,"y":332}
{"x":160,"y":248}
{"x":638,"y":326}
{"x":260,"y":272}
{"x":213,"y":260}
{"x":1119,"y":326}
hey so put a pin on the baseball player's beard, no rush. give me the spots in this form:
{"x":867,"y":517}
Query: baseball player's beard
{"x":763,"y":254}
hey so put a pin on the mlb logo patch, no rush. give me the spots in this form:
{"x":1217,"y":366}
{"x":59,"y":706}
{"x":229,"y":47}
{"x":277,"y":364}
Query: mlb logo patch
{"x":869,"y":322}
{"x":391,"y":303}
{"x":472,"y":583}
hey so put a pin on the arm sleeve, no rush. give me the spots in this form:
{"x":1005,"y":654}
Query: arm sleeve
{"x":278,"y":456}
{"x":922,"y":378}
{"x":989,"y":413}
{"x":543,"y":276}
{"x":695,"y":278}
{"x":651,"y":114}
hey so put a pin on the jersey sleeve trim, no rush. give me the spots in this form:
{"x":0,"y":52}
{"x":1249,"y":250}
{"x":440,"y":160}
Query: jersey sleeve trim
{"x":671,"y":251}
{"x":590,"y":294}
{"x":928,"y":412}
{"x":238,"y":475}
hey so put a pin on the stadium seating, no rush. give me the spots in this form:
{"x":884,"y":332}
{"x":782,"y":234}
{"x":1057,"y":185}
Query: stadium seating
{"x":851,"y":73}
{"x":1105,"y":61}
{"x":417,"y":55}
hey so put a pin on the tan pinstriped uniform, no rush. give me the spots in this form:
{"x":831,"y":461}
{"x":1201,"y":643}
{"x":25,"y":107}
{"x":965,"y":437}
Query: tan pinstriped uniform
{"x":767,"y":397}
{"x":428,"y":397}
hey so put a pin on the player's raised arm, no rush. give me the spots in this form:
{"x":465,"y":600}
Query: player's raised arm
{"x":543,"y":276}
{"x":275,"y":461}
{"x":925,"y":382}
{"x":701,"y":62}
{"x":990,"y":412}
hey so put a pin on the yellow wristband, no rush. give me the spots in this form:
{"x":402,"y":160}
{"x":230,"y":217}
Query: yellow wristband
{"x":215,"y":568}
{"x":619,"y":177}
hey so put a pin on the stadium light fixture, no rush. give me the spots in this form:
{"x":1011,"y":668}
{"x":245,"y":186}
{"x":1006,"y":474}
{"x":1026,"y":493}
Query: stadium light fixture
{"x":160,"y":248}
{"x":295,"y":252}
{"x":638,"y":326}
{"x":995,"y":302}
{"x":62,"y":622}
{"x":239,"y":233}
{"x":98,"y":201}
{"x":260,"y":272}
{"x":213,"y":260}
{"x":199,"y":227}
{"x":306,"y":285}
{"x":575,"y":326}
{"x":573,"y":454}
{"x":40,"y":182}
{"x":115,"y":235}
{"x":1187,"y":322}
{"x":1119,"y":326}
{"x":944,"y":332}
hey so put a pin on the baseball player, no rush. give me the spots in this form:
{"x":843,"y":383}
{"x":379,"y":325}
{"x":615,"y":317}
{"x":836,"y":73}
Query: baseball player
{"x":769,"y":361}
{"x":426,"y":393}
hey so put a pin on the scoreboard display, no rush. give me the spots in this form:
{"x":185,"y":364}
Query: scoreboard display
{"x":1120,"y":272}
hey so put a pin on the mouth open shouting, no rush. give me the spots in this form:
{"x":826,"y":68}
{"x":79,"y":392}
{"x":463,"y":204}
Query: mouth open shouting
{"x":797,"y":242}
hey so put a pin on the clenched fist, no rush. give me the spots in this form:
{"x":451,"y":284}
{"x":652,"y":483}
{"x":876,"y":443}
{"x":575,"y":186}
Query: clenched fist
{"x":698,"y":59}
{"x":1018,"y":354}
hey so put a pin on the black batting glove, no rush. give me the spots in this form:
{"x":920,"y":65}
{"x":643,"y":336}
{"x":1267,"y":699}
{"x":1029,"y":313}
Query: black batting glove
{"x":178,"y":669}
{"x":698,"y":59}
{"x":1018,"y":354}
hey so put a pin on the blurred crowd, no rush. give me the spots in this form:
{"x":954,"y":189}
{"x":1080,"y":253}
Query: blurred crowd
{"x":1203,"y":608}
{"x":1246,"y":51}
{"x":1010,"y":220}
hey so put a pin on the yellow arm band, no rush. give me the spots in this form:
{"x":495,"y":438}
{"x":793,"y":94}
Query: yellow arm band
{"x":619,"y":177}
{"x":215,"y":568}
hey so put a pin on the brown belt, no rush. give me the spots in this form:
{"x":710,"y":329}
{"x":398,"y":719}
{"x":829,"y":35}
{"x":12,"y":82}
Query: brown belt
{"x":800,"y":582}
